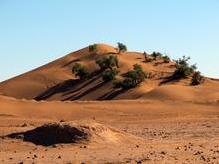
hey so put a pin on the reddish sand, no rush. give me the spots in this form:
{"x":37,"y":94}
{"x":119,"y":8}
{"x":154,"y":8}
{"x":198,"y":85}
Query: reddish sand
{"x":55,"y":81}
{"x":147,"y":131}
{"x":157,"y":122}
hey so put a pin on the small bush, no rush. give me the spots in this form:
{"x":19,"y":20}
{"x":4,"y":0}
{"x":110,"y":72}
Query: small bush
{"x":166,"y":59}
{"x":146,"y":57}
{"x":107,"y":62}
{"x":127,"y":83}
{"x":197,"y":78}
{"x":133,"y":78}
{"x":121,"y":47}
{"x":137,"y":74}
{"x":80,"y":71}
{"x":117,"y":83}
{"x":183,"y":69}
{"x":102,"y":63}
{"x":137,"y":67}
{"x":156,"y":55}
{"x":109,"y":75}
{"x":93,"y":48}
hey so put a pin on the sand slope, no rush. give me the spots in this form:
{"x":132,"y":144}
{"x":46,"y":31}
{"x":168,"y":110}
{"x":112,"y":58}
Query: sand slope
{"x":32,"y":83}
{"x":207,"y":92}
{"x":54,"y":81}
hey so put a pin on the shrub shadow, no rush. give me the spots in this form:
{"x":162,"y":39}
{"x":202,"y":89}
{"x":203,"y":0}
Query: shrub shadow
{"x":112,"y":94}
{"x":59,"y":88}
{"x":80,"y":95}
{"x":169,"y":79}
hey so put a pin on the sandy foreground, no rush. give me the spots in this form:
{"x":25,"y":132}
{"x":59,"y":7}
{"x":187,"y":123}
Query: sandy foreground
{"x":140,"y":131}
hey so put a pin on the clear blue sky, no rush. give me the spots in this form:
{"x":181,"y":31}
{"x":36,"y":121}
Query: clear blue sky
{"x":34,"y":32}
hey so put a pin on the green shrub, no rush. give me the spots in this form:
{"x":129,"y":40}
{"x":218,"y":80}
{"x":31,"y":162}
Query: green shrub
{"x":156,"y":55}
{"x":93,"y":48}
{"x":146,"y":57}
{"x":128,"y":83}
{"x":80,"y":71}
{"x":137,"y":67}
{"x":197,"y":78}
{"x":166,"y":59}
{"x":121,"y":47}
{"x":132,"y":78}
{"x":117,"y":83}
{"x":107,"y":62}
{"x":109,"y":75}
{"x":137,"y":74}
{"x":183,"y":69}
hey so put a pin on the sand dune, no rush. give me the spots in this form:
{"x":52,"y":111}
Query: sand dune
{"x":55,"y":81}
{"x":204,"y":93}
{"x":32,"y":83}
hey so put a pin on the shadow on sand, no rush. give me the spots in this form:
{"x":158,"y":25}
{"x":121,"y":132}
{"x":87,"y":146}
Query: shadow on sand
{"x":76,"y":89}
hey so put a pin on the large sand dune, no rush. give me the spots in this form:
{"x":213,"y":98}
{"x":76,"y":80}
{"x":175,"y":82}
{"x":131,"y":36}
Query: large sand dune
{"x":55,"y":81}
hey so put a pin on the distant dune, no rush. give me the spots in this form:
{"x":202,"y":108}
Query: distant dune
{"x":206,"y":92}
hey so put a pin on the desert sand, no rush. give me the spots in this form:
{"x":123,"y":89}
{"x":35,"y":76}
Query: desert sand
{"x":160,"y":121}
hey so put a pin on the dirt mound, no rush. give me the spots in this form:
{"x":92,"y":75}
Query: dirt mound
{"x":63,"y":133}
{"x":51,"y":134}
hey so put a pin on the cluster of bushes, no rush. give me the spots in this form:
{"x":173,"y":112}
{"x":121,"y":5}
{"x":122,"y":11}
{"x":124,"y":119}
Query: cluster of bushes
{"x":156,"y":56}
{"x":109,"y":65}
{"x":147,"y":57}
{"x":132,"y":78}
{"x":93,"y":49}
{"x":166,"y":59}
{"x":80,"y":71}
{"x":108,"y":69}
{"x":107,"y":62}
{"x":183,"y":68}
{"x":109,"y":75}
{"x":197,"y":78}
{"x":121,"y":47}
